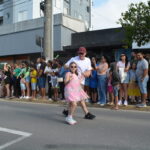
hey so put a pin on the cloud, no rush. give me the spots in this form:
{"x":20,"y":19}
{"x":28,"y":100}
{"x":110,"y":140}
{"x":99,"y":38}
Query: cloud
{"x":107,"y":14}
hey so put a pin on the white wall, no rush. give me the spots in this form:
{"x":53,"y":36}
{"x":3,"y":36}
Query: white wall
{"x":25,"y":8}
{"x":37,"y":13}
{"x":57,"y":6}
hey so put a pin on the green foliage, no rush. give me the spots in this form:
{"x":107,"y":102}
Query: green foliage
{"x":136,"y":22}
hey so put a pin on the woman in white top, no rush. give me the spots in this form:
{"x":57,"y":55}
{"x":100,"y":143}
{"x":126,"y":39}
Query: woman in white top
{"x":123,"y":66}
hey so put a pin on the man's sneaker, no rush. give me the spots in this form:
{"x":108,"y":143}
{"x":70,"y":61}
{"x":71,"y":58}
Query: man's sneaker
{"x":119,"y":102}
{"x":102,"y":105}
{"x":141,"y":105}
{"x":21,"y":97}
{"x":65,"y":112}
{"x":98,"y":103}
{"x":126,"y":103}
{"x":89,"y":116}
{"x":70,"y":120}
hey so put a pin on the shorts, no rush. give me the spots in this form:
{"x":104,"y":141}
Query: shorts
{"x":93,"y":90}
{"x":33,"y":86}
{"x":143,"y":85}
{"x":23,"y":87}
{"x":27,"y":79}
{"x":87,"y":82}
{"x":110,"y":88}
{"x":116,"y":90}
{"x":125,"y":80}
{"x":41,"y":82}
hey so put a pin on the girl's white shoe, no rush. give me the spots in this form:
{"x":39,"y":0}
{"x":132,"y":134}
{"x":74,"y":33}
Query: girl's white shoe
{"x":70,"y":120}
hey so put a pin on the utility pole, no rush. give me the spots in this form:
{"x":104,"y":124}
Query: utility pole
{"x":48,"y":30}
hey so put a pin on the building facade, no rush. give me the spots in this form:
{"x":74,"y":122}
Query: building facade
{"x":22,"y":38}
{"x":13,"y":11}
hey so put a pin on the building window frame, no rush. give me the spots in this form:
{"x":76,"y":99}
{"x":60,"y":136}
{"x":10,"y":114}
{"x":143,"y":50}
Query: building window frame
{"x":1,"y":20}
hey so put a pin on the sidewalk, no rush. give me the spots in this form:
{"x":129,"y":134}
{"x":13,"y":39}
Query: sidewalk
{"x":129,"y":107}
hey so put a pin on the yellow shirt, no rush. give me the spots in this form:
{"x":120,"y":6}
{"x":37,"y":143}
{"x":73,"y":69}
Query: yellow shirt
{"x":33,"y":75}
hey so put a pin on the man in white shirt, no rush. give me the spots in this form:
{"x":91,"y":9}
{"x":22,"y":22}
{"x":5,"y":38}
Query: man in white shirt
{"x":84,"y":70}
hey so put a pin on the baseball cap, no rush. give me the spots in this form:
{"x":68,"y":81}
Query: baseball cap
{"x":82,"y":50}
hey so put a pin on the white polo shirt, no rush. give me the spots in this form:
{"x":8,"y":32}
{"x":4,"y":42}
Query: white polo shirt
{"x":83,"y":65}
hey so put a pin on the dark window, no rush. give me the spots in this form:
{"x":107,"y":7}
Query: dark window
{"x":88,"y":9}
{"x":1,"y":2}
{"x":67,"y":1}
{"x":1,"y":20}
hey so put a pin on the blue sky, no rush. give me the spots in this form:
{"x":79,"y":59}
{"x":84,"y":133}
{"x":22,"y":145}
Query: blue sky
{"x":105,"y":13}
{"x":97,"y":3}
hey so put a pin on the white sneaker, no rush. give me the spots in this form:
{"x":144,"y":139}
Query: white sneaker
{"x":21,"y":97}
{"x":27,"y":97}
{"x":98,"y":103}
{"x":70,"y":120}
{"x":119,"y":102}
{"x":50,"y":100}
{"x":102,"y":105}
{"x":126,"y":103}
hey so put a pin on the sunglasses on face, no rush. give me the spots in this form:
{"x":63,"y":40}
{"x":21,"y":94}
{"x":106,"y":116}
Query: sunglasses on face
{"x":73,"y":66}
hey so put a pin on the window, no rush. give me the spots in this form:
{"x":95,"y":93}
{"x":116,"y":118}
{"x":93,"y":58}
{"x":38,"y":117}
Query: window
{"x":66,"y":11}
{"x":1,"y":20}
{"x":58,"y":3}
{"x":80,"y":1}
{"x":67,"y":1}
{"x":88,"y":9}
{"x":22,"y":15}
{"x":1,"y":2}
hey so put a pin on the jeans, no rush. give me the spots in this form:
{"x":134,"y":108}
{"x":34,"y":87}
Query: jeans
{"x":102,"y":88}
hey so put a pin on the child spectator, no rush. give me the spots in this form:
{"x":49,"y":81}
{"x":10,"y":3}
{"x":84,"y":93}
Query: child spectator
{"x":33,"y":76}
{"x":133,"y":89}
{"x":115,"y":83}
{"x":110,"y":88}
{"x":93,"y":84}
{"x":54,"y":81}
{"x":23,"y":86}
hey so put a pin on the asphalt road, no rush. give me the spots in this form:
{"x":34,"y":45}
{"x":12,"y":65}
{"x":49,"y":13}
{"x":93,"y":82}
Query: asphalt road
{"x":111,"y":130}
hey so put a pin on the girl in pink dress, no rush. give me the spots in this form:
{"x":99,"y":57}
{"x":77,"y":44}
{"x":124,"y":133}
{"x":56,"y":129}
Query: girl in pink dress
{"x":73,"y":91}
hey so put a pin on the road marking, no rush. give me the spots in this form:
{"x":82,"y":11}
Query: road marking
{"x":23,"y":135}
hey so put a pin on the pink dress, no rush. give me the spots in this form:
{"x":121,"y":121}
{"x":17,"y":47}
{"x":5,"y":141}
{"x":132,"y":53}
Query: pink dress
{"x":73,"y":90}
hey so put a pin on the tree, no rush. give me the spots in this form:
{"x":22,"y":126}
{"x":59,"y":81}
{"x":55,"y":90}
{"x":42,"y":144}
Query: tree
{"x":136,"y":23}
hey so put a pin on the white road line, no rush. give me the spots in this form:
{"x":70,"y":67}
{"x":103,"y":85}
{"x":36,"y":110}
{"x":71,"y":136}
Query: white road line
{"x":23,"y":135}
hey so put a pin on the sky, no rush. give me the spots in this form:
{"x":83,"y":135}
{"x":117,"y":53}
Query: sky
{"x":105,"y":13}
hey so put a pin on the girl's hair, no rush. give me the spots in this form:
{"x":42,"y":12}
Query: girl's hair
{"x":132,"y":65}
{"x":126,"y":60}
{"x":22,"y":76}
{"x":76,"y":72}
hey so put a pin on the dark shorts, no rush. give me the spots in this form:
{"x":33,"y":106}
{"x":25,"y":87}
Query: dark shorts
{"x":41,"y":82}
{"x":94,"y":90}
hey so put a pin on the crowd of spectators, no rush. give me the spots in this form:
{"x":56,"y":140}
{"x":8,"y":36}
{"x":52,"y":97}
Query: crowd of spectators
{"x":115,"y":83}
